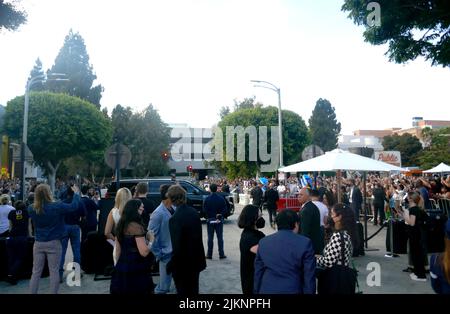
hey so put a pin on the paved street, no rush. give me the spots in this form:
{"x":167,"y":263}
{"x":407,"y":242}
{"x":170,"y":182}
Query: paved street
{"x":222,"y":276}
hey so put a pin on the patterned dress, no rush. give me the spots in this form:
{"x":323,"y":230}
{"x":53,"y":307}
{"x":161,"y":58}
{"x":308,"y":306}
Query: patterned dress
{"x":332,"y":253}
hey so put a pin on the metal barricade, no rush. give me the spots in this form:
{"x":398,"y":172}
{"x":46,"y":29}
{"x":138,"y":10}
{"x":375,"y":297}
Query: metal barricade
{"x":288,"y":203}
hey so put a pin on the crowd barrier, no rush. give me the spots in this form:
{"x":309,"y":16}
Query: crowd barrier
{"x":288,"y":203}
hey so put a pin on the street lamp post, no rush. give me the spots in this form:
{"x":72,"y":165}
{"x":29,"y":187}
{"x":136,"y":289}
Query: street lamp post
{"x":30,"y":83}
{"x":280,"y":126}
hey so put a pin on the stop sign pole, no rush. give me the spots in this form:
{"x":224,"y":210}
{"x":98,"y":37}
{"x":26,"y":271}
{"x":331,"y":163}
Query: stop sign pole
{"x":118,"y":153}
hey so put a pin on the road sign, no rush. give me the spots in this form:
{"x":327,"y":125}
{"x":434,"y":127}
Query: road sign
{"x":17,"y":152}
{"x":312,"y":151}
{"x":112,"y":153}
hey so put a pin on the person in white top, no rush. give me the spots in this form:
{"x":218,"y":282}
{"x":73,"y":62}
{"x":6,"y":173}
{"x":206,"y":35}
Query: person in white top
{"x":315,"y":198}
{"x":122,"y":196}
{"x":5,"y":209}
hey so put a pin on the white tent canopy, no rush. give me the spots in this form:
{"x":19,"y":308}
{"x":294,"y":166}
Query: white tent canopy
{"x":439,"y":168}
{"x":340,"y":160}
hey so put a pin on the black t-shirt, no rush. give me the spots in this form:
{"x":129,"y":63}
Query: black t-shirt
{"x":249,"y":238}
{"x":19,"y":220}
{"x":420,"y":219}
{"x":148,"y":210}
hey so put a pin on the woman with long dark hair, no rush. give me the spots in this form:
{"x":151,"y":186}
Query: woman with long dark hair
{"x":440,"y":266}
{"x":335,"y":274}
{"x":344,"y":224}
{"x":249,"y":220}
{"x":132,"y":273}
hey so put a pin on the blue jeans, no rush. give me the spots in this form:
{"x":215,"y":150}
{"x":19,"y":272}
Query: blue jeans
{"x":72,"y":233}
{"x":218,"y":228}
{"x":165,"y":279}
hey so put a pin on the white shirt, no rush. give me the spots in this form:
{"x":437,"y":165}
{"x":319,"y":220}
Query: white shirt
{"x":323,"y":211}
{"x":4,"y":222}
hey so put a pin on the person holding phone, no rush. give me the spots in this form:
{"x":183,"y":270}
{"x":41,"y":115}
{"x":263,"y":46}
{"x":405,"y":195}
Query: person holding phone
{"x":48,"y":219}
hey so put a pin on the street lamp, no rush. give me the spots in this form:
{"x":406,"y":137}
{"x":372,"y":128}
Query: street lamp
{"x":30,"y":83}
{"x":280,"y":126}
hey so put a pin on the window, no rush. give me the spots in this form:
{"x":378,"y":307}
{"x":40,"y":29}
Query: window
{"x":188,"y":188}
{"x":153,"y":186}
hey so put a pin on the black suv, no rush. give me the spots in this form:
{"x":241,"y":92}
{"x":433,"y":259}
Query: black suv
{"x":194,"y":194}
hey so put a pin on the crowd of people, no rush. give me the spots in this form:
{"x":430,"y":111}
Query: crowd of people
{"x":317,"y":242}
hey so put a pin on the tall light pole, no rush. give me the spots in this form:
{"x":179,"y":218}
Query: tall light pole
{"x":273,"y":87}
{"x":30,"y":83}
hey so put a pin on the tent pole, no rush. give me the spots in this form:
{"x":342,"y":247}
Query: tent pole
{"x":365,"y":210}
{"x":339,"y":191}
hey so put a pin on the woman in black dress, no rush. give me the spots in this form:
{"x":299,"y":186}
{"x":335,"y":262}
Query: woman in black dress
{"x":249,"y":220}
{"x":415,"y":218}
{"x":132,"y":273}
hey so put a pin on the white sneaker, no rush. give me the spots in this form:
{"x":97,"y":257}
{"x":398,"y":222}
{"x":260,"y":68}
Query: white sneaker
{"x":414,"y":277}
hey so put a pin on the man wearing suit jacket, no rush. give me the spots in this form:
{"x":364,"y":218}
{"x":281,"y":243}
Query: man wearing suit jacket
{"x":356,"y":199}
{"x":188,"y":253}
{"x":214,"y":207}
{"x":310,"y":220}
{"x":285,"y":262}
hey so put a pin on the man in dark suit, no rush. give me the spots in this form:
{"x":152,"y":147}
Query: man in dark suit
{"x":188,"y":253}
{"x":285,"y":261}
{"x":257,"y":195}
{"x":379,"y":197}
{"x":310,"y":220}
{"x":356,"y":198}
{"x":271,"y":197}
{"x":89,"y":223}
{"x":214,"y":207}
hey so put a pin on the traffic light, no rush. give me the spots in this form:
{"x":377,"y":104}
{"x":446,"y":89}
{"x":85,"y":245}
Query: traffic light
{"x":189,"y":168}
{"x":165,"y":156}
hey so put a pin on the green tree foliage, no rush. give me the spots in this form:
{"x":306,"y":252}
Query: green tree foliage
{"x":59,"y":127}
{"x":225,"y":110}
{"x":247,"y":103}
{"x":147,"y":137}
{"x":295,"y":137}
{"x":412,"y":28}
{"x":438,"y":149}
{"x":37,"y":72}
{"x":409,"y":146}
{"x":73,"y":60}
{"x":11,"y":17}
{"x":323,"y":125}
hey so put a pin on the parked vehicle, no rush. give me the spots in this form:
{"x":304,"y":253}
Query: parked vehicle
{"x":195,"y":194}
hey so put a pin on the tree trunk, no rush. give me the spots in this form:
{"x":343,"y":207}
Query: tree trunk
{"x":52,"y":174}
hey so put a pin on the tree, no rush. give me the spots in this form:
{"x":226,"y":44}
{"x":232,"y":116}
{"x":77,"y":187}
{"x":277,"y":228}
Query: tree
{"x":412,"y":28}
{"x":247,"y":103}
{"x":37,"y":72}
{"x":10,"y":16}
{"x":73,"y":60}
{"x":60,"y":126}
{"x":439,"y":149}
{"x":225,"y":110}
{"x":409,"y":146}
{"x":146,"y":135}
{"x":295,"y":138}
{"x":323,"y":125}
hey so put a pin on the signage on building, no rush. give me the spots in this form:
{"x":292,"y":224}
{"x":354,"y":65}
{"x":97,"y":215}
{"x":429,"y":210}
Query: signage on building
{"x":390,"y":157}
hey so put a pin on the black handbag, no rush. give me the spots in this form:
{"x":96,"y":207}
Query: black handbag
{"x":338,"y":279}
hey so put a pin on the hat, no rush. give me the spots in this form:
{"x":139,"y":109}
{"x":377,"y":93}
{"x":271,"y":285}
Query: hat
{"x":447,"y":229}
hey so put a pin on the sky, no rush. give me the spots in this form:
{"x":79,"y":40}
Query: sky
{"x":191,"y":57}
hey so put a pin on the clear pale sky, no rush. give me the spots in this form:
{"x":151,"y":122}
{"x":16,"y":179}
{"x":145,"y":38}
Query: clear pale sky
{"x":190,"y":57}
